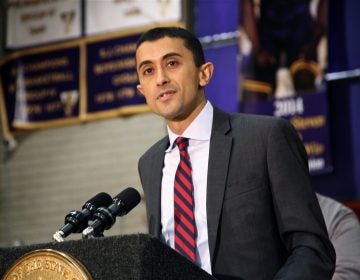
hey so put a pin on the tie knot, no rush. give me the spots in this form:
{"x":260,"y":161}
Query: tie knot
{"x":182,"y":143}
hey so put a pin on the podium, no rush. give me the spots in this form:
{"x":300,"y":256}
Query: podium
{"x":136,"y":256}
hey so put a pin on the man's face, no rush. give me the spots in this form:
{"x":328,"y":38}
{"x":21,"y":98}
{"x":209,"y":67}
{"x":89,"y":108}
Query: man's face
{"x":169,"y":79}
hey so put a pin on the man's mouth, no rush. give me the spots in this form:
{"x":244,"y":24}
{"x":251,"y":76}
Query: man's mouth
{"x":164,"y":95}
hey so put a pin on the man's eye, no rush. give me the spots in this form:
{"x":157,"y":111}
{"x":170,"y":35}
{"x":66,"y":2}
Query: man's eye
{"x":148,"y":71}
{"x":172,"y":63}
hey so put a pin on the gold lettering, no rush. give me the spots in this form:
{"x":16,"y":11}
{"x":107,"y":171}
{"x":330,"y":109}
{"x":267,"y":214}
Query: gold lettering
{"x":54,"y":77}
{"x":47,"y":264}
{"x":53,"y":106}
{"x":39,"y":264}
{"x":301,"y":123}
{"x":36,"y":95}
{"x":113,"y":66}
{"x":52,"y":265}
{"x":125,"y":93}
{"x":59,"y":268}
{"x":126,"y":78}
{"x":66,"y":273}
{"x":33,"y":266}
{"x":117,"y":50}
{"x":105,"y":97}
{"x":18,"y":274}
{"x":46,"y":64}
{"x":28,"y":268}
{"x":314,"y":148}
{"x":33,"y":109}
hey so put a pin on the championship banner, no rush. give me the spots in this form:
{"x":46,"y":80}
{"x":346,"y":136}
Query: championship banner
{"x":35,"y":22}
{"x":83,"y":80}
{"x":283,"y":51}
{"x":309,"y":115}
{"x":108,"y":15}
{"x":41,"y":88}
{"x":111,"y":77}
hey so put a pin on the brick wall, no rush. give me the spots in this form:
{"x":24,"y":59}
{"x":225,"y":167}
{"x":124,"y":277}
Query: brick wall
{"x":56,"y":170}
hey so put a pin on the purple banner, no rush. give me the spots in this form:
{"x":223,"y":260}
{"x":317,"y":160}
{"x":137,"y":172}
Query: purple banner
{"x":309,"y":115}
{"x":70,"y":83}
{"x":41,"y":87}
{"x":283,"y":57}
{"x":111,"y":74}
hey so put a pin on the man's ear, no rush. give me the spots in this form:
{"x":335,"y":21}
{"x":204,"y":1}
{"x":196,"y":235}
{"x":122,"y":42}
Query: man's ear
{"x":140,"y":89}
{"x":205,"y":74}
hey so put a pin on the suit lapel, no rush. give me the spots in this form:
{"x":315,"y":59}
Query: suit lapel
{"x":219,"y":156}
{"x":156,"y":176}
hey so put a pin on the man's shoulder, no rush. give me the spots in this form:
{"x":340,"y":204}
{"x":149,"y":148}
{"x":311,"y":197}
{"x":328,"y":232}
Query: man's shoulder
{"x":250,"y":121}
{"x":333,"y":210}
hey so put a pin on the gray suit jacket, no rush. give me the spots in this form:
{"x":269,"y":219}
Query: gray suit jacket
{"x":264,"y":221}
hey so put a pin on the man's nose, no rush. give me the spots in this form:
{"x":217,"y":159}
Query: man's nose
{"x":161,"y":77}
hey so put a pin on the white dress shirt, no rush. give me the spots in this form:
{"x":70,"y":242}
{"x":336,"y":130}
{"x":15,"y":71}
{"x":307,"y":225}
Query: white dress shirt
{"x":199,"y":133}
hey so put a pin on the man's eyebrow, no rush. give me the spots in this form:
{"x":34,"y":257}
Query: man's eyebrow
{"x":171,"y":54}
{"x":164,"y":57}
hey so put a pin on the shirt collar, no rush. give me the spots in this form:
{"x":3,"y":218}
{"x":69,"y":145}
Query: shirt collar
{"x":199,"y":129}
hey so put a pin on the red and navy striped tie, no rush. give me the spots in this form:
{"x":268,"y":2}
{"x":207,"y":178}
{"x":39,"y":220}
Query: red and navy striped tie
{"x":185,"y":228}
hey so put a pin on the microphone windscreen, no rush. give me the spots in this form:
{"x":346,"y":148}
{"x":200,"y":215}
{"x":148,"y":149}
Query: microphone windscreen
{"x":100,"y":200}
{"x":129,"y":198}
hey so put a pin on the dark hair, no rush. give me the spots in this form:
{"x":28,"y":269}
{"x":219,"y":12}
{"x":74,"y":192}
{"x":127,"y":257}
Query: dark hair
{"x":190,"y":41}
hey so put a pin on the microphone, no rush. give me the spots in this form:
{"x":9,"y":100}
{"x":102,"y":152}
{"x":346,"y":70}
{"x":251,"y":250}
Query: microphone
{"x":104,"y":218}
{"x":77,"y":221}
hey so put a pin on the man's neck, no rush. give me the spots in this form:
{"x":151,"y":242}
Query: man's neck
{"x":179,"y":126}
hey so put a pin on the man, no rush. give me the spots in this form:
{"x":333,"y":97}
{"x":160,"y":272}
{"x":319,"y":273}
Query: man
{"x":246,"y":177}
{"x":344,"y":232}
